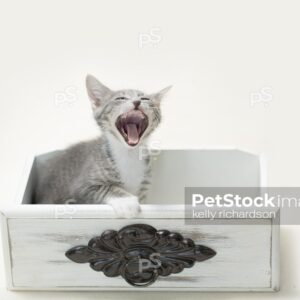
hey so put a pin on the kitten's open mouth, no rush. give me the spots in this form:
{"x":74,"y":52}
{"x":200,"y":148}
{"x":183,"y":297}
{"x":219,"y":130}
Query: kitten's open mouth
{"x":132,"y":125}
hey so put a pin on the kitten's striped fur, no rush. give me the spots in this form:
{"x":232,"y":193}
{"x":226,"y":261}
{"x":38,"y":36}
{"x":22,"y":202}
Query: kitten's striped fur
{"x":107,"y":169}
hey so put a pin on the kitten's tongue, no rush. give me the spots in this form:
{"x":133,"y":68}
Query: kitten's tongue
{"x":132,"y":134}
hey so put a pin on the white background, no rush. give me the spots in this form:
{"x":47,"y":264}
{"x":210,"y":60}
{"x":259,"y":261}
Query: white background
{"x":220,"y":56}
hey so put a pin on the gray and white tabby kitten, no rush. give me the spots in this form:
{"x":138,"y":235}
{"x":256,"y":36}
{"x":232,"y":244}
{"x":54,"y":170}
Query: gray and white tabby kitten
{"x":109,"y":169}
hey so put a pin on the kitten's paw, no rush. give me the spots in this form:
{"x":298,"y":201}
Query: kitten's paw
{"x":125,"y":207}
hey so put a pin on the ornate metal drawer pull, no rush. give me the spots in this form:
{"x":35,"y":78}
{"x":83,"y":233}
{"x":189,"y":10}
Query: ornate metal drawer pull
{"x":140,"y":253}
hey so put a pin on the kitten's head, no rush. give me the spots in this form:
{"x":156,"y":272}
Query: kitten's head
{"x":129,"y":115}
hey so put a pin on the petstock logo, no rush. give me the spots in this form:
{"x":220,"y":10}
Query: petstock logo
{"x":260,"y":205}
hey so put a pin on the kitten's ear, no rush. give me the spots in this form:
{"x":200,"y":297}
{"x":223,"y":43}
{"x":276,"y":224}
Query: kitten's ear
{"x":158,"y":96}
{"x":98,"y":93}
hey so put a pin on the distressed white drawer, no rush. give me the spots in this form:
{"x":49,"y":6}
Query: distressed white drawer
{"x":36,"y":238}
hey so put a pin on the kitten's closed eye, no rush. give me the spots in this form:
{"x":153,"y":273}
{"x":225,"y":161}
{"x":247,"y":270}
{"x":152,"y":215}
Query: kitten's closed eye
{"x":145,"y":98}
{"x":121,"y":98}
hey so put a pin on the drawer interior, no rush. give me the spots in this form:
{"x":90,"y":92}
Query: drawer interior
{"x":173,"y":170}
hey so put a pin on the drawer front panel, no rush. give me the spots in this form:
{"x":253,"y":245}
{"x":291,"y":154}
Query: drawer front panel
{"x":38,"y":247}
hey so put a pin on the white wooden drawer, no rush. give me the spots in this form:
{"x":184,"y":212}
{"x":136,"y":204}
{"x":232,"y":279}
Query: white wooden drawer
{"x":37,"y":237}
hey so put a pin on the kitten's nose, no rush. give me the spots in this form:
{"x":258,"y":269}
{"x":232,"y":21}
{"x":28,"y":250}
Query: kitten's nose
{"x":136,"y":104}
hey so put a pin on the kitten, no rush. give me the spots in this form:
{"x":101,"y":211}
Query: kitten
{"x":109,"y":169}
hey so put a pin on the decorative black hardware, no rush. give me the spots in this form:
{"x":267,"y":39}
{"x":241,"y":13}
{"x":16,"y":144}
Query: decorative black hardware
{"x":140,"y":253}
